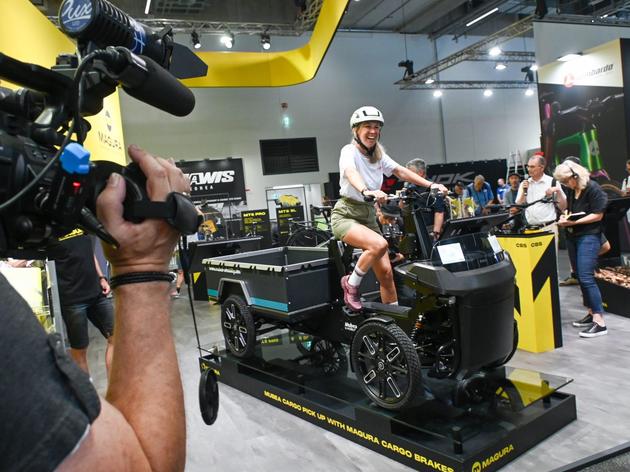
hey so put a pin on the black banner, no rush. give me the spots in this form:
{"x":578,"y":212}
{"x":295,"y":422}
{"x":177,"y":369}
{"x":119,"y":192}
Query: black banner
{"x":449,"y":174}
{"x":216,"y":180}
{"x":256,"y":223}
{"x":287,"y":215}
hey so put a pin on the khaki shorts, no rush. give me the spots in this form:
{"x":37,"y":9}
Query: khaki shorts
{"x":348,"y":212}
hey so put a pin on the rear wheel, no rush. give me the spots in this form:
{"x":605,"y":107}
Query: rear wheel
{"x":386,"y":365}
{"x":237,"y":324}
{"x":308,"y":237}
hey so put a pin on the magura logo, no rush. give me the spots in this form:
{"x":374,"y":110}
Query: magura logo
{"x":350,"y":326}
{"x":569,"y":80}
{"x":205,"y":178}
{"x":487,"y":462}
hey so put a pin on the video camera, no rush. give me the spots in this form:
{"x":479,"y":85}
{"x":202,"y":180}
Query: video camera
{"x":48,"y":186}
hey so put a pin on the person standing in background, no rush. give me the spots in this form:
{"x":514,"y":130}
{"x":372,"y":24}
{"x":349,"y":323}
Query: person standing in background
{"x":587,"y":199}
{"x":481,"y":194}
{"x":83,"y":291}
{"x":434,"y":219}
{"x":536,"y":187}
{"x":501,"y":189}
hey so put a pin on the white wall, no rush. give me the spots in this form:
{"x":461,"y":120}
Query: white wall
{"x":554,"y":40}
{"x":359,"y":69}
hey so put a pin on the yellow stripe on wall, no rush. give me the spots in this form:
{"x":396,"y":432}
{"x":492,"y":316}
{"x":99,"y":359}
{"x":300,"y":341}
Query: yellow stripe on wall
{"x":28,"y":36}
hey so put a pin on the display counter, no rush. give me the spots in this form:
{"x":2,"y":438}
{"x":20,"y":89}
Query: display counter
{"x":536,"y":298}
{"x":200,"y":250}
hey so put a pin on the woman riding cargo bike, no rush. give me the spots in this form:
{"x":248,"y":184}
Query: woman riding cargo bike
{"x":362,"y":164}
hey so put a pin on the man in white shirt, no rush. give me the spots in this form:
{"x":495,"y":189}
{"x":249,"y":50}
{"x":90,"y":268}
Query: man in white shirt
{"x":536,"y":187}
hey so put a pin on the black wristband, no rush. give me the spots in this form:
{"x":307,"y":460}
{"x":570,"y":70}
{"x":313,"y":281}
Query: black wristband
{"x":140,"y":277}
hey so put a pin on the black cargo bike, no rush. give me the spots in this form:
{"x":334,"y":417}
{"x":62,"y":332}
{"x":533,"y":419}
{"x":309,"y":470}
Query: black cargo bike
{"x":455,"y":319}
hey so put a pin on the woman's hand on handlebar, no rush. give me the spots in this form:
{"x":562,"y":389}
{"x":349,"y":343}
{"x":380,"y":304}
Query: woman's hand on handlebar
{"x":378,"y":195}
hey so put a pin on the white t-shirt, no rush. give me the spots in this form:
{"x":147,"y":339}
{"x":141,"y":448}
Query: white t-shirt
{"x":372,"y":174}
{"x":540,"y":213}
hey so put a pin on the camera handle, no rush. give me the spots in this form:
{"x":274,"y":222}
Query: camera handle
{"x":178,"y":210}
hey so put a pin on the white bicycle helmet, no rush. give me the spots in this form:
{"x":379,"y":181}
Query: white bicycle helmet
{"x":366,"y":113}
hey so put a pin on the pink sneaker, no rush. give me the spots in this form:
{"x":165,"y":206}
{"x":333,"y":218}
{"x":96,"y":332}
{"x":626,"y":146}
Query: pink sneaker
{"x":350,"y":294}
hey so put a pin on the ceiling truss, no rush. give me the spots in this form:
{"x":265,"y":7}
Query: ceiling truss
{"x":472,"y":84}
{"x":474,"y":52}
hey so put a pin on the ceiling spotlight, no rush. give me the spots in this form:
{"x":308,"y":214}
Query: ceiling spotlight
{"x":227,"y":40}
{"x":487,"y":93}
{"x":500,"y":66}
{"x":265,"y":41}
{"x":529,"y":73}
{"x":437,"y":93}
{"x":529,"y":92}
{"x":408,"y":65}
{"x":495,"y":51}
{"x":194,"y":38}
{"x":429,"y":81}
{"x":533,"y":67}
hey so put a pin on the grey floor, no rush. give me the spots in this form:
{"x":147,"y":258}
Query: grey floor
{"x":251,"y":435}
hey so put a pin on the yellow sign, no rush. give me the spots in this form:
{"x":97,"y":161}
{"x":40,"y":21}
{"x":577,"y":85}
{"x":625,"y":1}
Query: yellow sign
{"x":537,"y":304}
{"x":28,"y":36}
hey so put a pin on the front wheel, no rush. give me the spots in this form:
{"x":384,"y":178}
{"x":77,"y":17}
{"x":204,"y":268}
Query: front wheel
{"x":386,"y":365}
{"x":237,"y":324}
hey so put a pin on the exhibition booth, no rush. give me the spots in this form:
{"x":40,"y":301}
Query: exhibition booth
{"x":427,"y":383}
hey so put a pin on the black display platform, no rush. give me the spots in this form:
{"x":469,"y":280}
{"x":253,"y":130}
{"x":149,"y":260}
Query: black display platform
{"x":614,"y":297}
{"x":521,"y":410}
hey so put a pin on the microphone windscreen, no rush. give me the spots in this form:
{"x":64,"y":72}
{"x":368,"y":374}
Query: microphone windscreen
{"x":162,"y":90}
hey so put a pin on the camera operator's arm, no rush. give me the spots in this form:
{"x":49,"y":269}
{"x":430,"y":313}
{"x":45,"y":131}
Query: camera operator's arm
{"x":141,"y":425}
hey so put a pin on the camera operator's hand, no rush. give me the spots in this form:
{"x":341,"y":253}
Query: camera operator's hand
{"x":146,"y":246}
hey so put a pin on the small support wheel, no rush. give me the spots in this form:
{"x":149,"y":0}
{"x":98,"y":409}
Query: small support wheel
{"x":209,"y":396}
{"x":237,"y":324}
{"x":386,"y":365}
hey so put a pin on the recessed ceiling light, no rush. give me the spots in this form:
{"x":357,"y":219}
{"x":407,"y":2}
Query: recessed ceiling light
{"x":487,"y":93}
{"x":570,"y":57}
{"x":500,"y":66}
{"x":437,"y":93}
{"x":529,"y":92}
{"x":429,"y":81}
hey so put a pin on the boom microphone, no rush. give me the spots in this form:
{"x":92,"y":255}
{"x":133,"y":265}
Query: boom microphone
{"x":144,"y":79}
{"x":103,"y":24}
